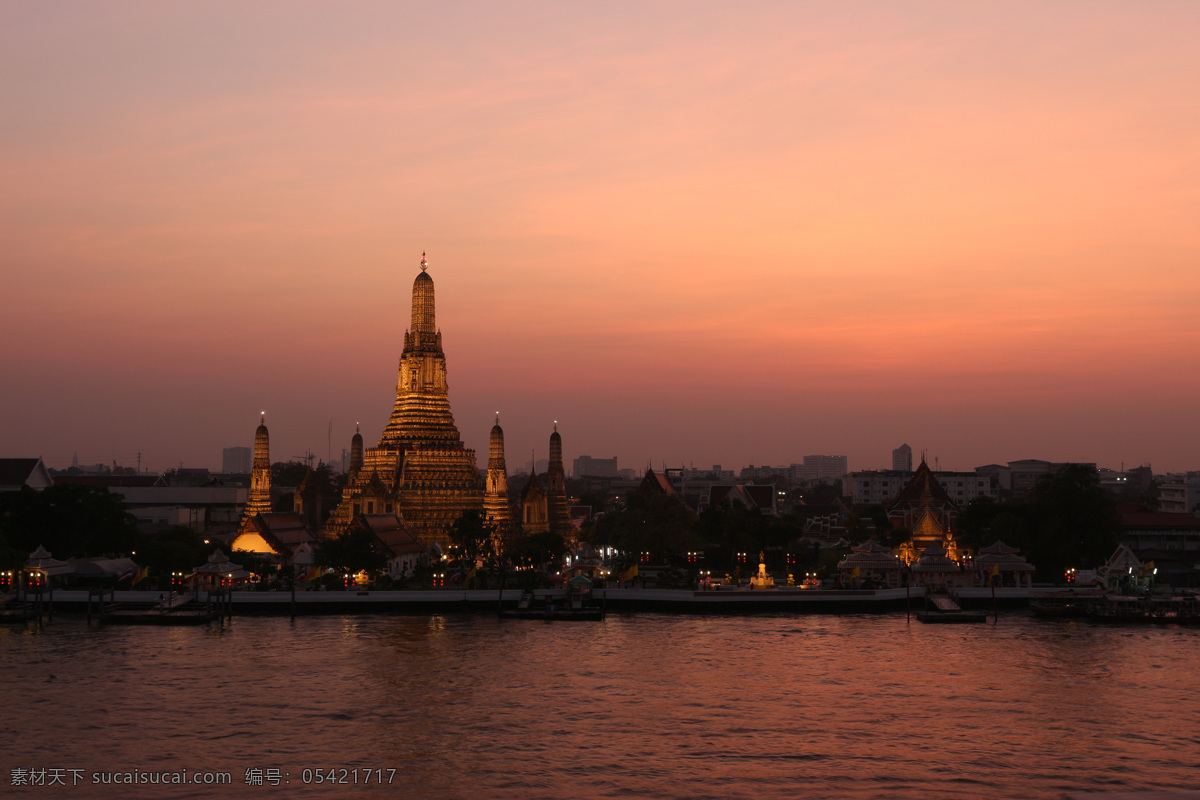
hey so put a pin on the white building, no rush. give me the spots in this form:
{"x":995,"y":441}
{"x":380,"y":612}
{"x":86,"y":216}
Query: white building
{"x":882,"y":486}
{"x":1180,"y":492}
{"x":815,"y":468}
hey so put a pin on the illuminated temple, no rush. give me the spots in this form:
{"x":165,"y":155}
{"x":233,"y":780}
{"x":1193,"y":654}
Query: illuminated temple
{"x":420,"y":469}
{"x":259,"y":501}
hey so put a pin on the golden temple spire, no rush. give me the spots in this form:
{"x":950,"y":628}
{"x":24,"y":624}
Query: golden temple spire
{"x":424,"y":263}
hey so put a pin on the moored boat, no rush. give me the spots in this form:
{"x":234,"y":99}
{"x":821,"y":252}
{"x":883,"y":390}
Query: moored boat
{"x":1148,"y":609}
{"x":1071,"y":603}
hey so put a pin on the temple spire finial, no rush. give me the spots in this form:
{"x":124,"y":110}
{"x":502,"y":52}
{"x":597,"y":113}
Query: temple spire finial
{"x":424,"y":262}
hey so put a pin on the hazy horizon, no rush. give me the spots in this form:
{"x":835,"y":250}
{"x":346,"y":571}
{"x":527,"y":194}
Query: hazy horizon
{"x":691,"y":234}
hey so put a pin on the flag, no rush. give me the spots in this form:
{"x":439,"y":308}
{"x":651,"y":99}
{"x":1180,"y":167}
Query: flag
{"x":995,"y":573}
{"x":129,"y":572}
{"x":145,"y":573}
{"x":471,"y":574}
{"x":313,"y":574}
{"x":629,"y":574}
{"x":855,"y":573}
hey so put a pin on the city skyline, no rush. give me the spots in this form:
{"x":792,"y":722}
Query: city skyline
{"x":720,"y":236}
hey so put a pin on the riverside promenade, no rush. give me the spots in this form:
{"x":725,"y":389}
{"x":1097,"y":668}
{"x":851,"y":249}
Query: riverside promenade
{"x":440,"y":601}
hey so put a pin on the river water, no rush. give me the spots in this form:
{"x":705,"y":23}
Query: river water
{"x":641,"y":705}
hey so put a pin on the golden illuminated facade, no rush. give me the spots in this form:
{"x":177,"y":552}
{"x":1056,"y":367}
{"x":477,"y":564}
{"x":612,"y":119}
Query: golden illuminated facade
{"x":420,"y":470}
{"x":259,"y":501}
{"x":534,"y":508}
{"x":495,"y":497}
{"x":925,"y":508}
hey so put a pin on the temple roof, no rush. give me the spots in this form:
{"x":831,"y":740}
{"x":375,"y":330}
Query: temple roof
{"x":923,"y":489}
{"x":219,"y":564}
{"x":998,"y":548}
{"x":1136,"y":515}
{"x":284,"y":531}
{"x":391,"y":532}
{"x":18,"y":472}
{"x":656,"y":482}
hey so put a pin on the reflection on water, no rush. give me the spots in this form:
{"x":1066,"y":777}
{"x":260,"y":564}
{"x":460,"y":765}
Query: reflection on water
{"x":642,"y":706}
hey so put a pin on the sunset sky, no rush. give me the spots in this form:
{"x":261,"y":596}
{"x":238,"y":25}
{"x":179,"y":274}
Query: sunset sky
{"x":695,"y":233}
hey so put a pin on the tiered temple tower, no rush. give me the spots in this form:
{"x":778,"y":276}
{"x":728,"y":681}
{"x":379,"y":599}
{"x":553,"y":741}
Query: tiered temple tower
{"x":260,"y":476}
{"x":534,"y":506}
{"x":495,"y":496}
{"x":420,"y":470}
{"x":356,"y":453}
{"x":558,"y":510}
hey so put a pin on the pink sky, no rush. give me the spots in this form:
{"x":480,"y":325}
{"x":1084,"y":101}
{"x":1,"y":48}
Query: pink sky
{"x":693,"y":233}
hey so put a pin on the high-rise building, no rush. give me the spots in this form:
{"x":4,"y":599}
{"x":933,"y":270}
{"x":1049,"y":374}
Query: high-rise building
{"x":420,"y":469}
{"x":829,"y":468}
{"x":902,"y":459}
{"x":236,"y":460}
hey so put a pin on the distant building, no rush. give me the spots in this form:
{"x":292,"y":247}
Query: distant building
{"x":902,"y":459}
{"x":753,"y":473}
{"x":1159,"y":535}
{"x":1001,"y":474}
{"x":816,"y":468}
{"x":236,"y":460}
{"x":594,"y":467}
{"x":1026,"y":473}
{"x":204,"y":509}
{"x":883,"y":486}
{"x":1180,"y":493}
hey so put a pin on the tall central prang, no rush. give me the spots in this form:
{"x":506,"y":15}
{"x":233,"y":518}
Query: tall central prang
{"x":420,"y":470}
{"x":421,"y":416}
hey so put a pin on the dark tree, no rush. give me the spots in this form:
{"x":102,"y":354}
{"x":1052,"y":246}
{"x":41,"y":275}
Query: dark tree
{"x":354,"y":551}
{"x":70,"y":520}
{"x":1074,"y":521}
{"x":474,"y":539}
{"x":650,"y":522}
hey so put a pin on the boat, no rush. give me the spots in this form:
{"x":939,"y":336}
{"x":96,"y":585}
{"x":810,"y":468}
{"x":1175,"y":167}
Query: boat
{"x":1073,"y":603}
{"x":1148,"y":609}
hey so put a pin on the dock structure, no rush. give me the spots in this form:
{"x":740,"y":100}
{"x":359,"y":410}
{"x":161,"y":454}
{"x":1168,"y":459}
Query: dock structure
{"x":142,"y":607}
{"x":946,"y":610}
